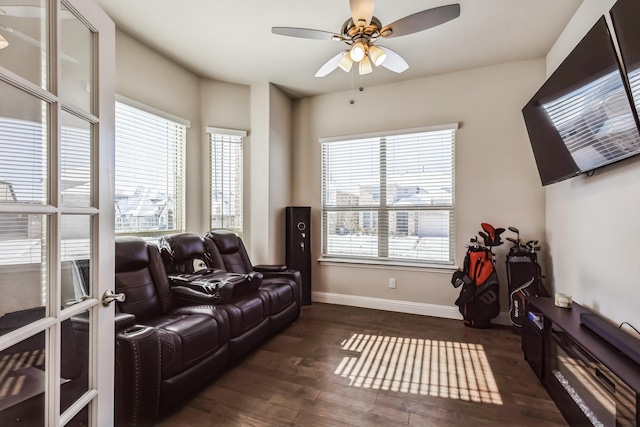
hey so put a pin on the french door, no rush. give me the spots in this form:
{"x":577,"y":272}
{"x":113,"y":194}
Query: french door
{"x":56,"y":212}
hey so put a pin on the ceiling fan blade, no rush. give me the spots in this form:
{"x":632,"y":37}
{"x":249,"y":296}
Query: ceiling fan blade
{"x":306,"y":33}
{"x":330,"y":65}
{"x":362,"y":11}
{"x":394,"y":62}
{"x":421,"y":21}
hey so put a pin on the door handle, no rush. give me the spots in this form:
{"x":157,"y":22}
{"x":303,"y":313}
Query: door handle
{"x":110,"y":297}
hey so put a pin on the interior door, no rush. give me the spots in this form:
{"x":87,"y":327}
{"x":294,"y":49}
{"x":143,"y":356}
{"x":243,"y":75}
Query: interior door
{"x":57,"y":101}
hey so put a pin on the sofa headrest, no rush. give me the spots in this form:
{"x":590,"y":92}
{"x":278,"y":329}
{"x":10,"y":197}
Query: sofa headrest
{"x":183,"y":246}
{"x":226,"y":241}
{"x":132,"y":254}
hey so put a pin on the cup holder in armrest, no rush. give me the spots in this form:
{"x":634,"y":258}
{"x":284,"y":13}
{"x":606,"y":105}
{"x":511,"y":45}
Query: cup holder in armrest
{"x":134,"y":330}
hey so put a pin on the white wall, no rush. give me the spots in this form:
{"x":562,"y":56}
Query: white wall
{"x":256,"y":176}
{"x":281,"y":177}
{"x":592,"y":223}
{"x":270,"y":174}
{"x":496,"y":176}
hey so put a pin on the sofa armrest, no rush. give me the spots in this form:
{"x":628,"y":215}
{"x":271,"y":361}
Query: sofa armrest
{"x":285,"y":274}
{"x":121,"y":320}
{"x":137,"y":376}
{"x":264,"y":268}
{"x":124,"y":321}
{"x":292,"y":276}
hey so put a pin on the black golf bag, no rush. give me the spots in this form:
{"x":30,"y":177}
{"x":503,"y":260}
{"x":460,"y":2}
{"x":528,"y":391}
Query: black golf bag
{"x":524,"y":278}
{"x":479,"y":297}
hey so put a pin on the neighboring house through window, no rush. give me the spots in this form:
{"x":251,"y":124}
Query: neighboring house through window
{"x":226,"y":179}
{"x":389,"y":196}
{"x":150,"y":164}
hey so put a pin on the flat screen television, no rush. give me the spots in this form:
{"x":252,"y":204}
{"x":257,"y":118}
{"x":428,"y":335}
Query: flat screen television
{"x":583,"y":117}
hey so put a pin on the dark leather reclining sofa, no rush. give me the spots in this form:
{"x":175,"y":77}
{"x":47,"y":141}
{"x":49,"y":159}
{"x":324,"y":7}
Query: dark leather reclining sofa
{"x":175,"y":335}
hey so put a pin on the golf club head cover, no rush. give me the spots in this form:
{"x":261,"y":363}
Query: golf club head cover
{"x":493,"y":234}
{"x":460,"y":278}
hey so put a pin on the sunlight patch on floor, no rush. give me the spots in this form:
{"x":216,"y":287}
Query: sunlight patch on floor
{"x":12,"y":371}
{"x":423,"y":367}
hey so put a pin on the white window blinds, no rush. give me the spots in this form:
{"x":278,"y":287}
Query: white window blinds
{"x":226,"y":179}
{"x":23,"y":161}
{"x":390,"y":197}
{"x":149,"y":172}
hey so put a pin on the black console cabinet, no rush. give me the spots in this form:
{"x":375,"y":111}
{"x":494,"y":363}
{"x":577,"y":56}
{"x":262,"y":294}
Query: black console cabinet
{"x":590,"y":381}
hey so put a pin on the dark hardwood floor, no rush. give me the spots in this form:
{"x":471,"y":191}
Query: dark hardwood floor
{"x":342,"y":366}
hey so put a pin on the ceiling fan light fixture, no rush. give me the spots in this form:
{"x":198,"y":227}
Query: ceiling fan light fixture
{"x":365,"y":66}
{"x":357,"y":52}
{"x":3,"y":42}
{"x":377,"y":55}
{"x":346,"y":62}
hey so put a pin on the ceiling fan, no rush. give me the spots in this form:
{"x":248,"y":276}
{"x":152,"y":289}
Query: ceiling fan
{"x":361,"y":31}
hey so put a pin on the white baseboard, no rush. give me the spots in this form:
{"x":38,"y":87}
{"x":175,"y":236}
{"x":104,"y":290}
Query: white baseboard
{"x":410,"y":307}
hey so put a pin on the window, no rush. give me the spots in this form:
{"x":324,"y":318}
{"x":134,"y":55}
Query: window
{"x":226,"y":179}
{"x":149,"y":171}
{"x":390,"y":197}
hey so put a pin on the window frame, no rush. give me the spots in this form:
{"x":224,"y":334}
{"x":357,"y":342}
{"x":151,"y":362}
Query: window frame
{"x":180,"y":175}
{"x":233,"y":135}
{"x":384,"y":259}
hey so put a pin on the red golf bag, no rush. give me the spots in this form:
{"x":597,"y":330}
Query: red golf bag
{"x":479,"y":296}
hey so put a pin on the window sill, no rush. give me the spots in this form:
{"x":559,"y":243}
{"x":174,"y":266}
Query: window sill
{"x":388,"y":265}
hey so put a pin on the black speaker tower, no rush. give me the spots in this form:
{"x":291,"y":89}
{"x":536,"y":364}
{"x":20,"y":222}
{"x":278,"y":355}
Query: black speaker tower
{"x":299,"y":246}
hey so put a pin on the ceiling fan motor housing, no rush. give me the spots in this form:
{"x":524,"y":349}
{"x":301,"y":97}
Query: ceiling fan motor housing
{"x":352,"y":33}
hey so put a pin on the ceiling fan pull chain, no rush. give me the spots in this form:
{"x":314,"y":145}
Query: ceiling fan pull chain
{"x":352,"y":100}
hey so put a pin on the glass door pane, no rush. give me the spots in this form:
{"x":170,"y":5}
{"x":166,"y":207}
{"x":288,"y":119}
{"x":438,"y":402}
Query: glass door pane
{"x":75,"y":256}
{"x":22,"y":383}
{"x":23,"y":32}
{"x":23,"y":146}
{"x":75,"y":161}
{"x":74,"y":359}
{"x":23,"y":270}
{"x":76,"y":42}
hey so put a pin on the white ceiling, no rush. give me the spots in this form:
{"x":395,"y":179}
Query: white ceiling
{"x":232,"y":41}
